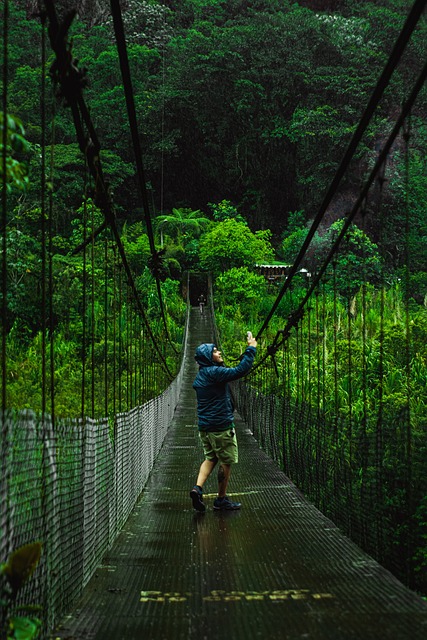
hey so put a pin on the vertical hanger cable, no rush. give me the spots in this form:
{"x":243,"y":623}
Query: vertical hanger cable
{"x":408,"y":351}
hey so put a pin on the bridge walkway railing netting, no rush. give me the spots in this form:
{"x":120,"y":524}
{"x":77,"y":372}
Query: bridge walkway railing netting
{"x":72,"y":487}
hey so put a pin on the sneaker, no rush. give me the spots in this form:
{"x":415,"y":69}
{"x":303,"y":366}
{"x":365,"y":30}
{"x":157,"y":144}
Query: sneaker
{"x":225,"y":504}
{"x":196,"y":495}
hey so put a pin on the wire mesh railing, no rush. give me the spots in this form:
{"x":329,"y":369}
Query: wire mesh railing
{"x":363,"y":466}
{"x":72,"y":486}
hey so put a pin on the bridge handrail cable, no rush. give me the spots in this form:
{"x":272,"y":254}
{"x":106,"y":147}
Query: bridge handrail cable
{"x":130,"y":103}
{"x":382,"y":157}
{"x":71,"y":80}
{"x":378,"y":92}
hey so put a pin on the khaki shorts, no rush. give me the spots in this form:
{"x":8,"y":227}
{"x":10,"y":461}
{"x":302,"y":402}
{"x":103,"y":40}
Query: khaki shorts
{"x":220,"y":445}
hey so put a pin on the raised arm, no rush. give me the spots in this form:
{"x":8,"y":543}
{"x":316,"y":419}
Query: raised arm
{"x":225,"y":374}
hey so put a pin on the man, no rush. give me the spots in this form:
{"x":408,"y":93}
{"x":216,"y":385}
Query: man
{"x":215,"y":417}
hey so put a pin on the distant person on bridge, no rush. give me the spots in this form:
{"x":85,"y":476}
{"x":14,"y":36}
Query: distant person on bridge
{"x":202,"y":301}
{"x":215,"y":417}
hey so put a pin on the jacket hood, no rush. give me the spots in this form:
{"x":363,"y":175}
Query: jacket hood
{"x":203,"y":355}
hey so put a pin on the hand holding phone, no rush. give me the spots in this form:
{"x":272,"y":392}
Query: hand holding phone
{"x":250,"y":339}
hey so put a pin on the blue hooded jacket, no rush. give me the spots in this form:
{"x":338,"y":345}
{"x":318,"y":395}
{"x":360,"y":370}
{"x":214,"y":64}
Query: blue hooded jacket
{"x":214,"y":403}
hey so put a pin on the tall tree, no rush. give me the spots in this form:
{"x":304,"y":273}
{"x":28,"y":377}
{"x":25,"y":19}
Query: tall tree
{"x":180,"y":223}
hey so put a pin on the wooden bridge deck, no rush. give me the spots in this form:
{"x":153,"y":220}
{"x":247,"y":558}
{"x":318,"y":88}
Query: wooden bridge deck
{"x":276,"y":569}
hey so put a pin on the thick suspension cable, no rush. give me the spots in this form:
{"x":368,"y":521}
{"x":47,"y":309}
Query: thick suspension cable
{"x":382,"y":157}
{"x":130,"y":103}
{"x":70,"y":79}
{"x":377,"y":94}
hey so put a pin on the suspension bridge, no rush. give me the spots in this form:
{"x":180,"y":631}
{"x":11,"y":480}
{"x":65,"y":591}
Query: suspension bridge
{"x":276,"y":569}
{"x":329,"y":541}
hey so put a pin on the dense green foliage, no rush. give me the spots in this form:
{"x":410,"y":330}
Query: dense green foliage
{"x":13,"y":172}
{"x":221,"y":114}
{"x":232,"y":244}
{"x":95,"y":332}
